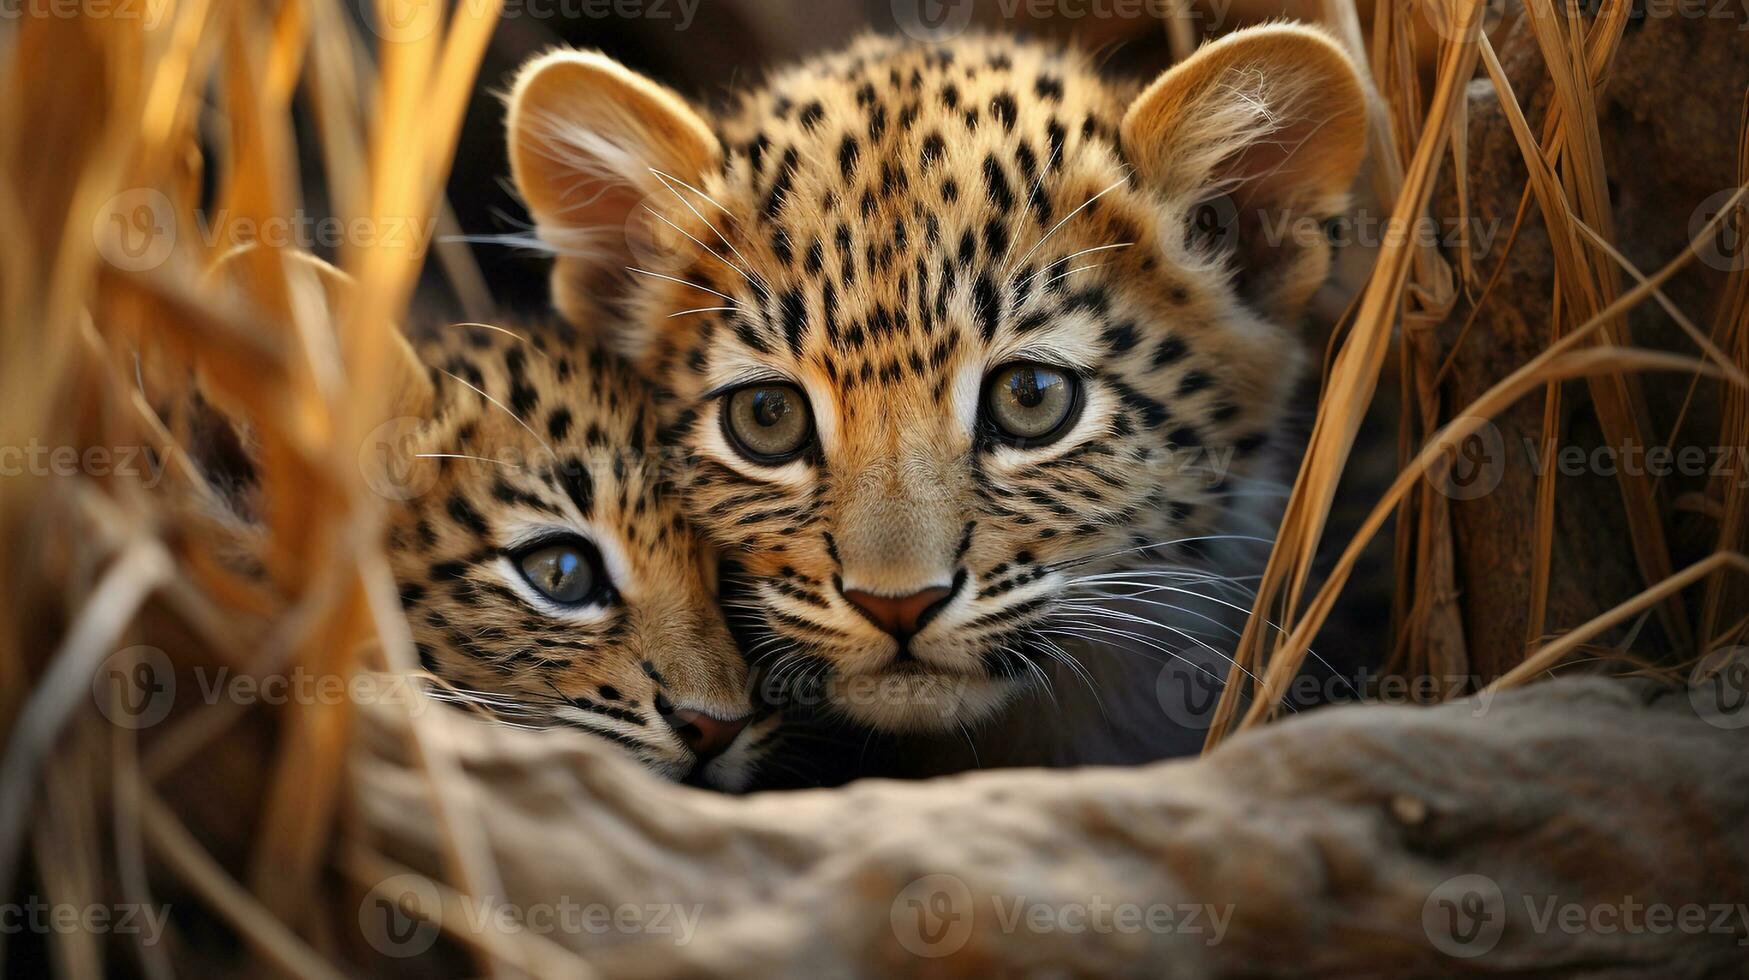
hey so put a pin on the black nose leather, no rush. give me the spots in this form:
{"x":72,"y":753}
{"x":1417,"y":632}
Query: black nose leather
{"x":902,"y":616}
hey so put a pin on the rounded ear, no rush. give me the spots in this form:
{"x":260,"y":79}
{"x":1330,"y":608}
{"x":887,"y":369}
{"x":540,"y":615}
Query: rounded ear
{"x":1271,"y":121}
{"x":590,"y":145}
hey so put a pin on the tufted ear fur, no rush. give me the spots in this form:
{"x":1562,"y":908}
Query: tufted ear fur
{"x":1254,"y":140}
{"x":587,"y":136}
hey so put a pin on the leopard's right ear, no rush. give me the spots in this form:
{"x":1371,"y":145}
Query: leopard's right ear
{"x":590,"y":144}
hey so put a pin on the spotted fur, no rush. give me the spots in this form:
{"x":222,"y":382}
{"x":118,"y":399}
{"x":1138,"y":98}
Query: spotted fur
{"x":507,"y":439}
{"x":535,"y":435}
{"x":885,"y":225}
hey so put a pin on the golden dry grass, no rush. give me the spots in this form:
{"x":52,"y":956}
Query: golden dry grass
{"x":99,"y":111}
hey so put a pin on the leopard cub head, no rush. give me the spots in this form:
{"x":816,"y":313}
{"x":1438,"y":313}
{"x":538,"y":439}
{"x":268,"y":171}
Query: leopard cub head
{"x":950,"y":328}
{"x":548,"y":572}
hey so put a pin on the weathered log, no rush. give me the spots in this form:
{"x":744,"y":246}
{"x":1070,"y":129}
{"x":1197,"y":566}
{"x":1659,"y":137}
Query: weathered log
{"x":1354,"y":842}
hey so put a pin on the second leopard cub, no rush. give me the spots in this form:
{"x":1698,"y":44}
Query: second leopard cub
{"x":548,"y":573}
{"x":954,"y":328}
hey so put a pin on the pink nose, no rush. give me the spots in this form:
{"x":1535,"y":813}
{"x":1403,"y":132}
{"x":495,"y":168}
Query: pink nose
{"x":707,"y":737}
{"x":902,"y":616}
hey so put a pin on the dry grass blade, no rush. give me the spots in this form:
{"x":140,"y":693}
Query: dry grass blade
{"x":1353,"y":379}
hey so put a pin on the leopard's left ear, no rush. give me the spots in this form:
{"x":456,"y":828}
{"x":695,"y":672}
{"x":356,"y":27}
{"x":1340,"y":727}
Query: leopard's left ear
{"x":596,"y":150}
{"x":1254,"y":141}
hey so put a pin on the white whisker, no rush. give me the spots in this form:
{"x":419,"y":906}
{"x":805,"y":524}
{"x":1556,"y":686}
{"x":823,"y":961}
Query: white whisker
{"x":502,"y":407}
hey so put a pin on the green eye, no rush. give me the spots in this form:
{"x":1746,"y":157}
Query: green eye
{"x":767,"y":423}
{"x":568,"y":573}
{"x":1031,"y":404}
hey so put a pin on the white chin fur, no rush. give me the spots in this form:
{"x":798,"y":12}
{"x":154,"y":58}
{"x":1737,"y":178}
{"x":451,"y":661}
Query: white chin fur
{"x":919,"y":703}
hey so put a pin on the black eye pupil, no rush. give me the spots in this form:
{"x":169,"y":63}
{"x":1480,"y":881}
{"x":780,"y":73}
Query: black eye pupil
{"x":767,"y":423}
{"x":770,"y":406}
{"x":1026,"y":388}
{"x":1029,"y":405}
{"x":564,"y":572}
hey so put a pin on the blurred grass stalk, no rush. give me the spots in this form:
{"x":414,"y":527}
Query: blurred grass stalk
{"x":101,"y":141}
{"x":1412,"y":289}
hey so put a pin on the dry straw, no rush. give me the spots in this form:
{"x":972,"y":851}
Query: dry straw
{"x":102,"y":123}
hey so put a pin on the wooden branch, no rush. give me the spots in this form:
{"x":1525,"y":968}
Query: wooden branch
{"x":1354,"y":842}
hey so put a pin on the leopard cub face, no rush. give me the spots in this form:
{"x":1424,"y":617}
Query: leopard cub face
{"x":547,"y":569}
{"x":948,"y":327}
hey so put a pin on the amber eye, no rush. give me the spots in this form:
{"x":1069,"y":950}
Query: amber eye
{"x":767,"y":423}
{"x":1031,"y":404}
{"x":568,"y":572}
